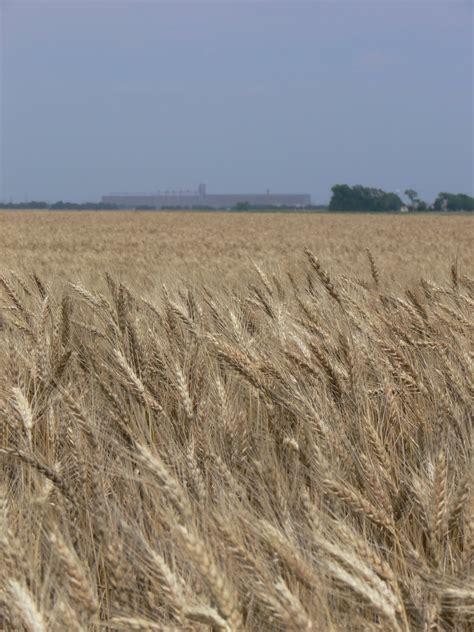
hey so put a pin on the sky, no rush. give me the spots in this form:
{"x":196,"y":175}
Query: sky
{"x":135,"y":96}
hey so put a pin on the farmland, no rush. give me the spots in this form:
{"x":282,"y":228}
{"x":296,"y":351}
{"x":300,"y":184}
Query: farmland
{"x":145,"y":247}
{"x":236,"y":422}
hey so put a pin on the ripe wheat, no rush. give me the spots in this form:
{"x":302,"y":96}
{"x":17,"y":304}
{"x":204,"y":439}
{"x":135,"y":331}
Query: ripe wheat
{"x":296,"y":455}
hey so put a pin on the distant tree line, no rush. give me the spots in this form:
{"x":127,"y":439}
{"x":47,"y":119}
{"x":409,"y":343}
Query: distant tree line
{"x":59,"y":206}
{"x":240,"y":206}
{"x":365,"y":199}
{"x":24,"y":205}
{"x":246,"y":206}
{"x":344,"y":198}
{"x":453,"y":202}
{"x":359,"y":198}
{"x":100,"y":206}
{"x":86,"y":206}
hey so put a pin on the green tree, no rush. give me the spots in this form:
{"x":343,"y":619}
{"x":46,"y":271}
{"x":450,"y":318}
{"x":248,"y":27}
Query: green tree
{"x":412,"y":195}
{"x":359,"y":198}
{"x":454,"y":202}
{"x":242,"y":206}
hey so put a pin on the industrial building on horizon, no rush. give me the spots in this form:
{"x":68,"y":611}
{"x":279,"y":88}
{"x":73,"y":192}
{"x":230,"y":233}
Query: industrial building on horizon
{"x":202,"y":199}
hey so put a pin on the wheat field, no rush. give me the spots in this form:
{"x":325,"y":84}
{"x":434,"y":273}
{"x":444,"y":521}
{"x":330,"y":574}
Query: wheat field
{"x":236,"y":422}
{"x":147,"y":248}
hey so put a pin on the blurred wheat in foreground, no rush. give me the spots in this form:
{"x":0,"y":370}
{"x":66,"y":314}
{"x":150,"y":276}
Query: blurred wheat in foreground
{"x":297,"y":456}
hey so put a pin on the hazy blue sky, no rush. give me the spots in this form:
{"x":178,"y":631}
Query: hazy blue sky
{"x":109,"y":96}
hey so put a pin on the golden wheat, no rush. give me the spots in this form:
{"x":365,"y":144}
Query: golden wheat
{"x":293,"y":452}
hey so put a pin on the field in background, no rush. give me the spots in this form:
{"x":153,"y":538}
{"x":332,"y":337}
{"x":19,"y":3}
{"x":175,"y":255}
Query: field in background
{"x":147,"y":248}
{"x":284,"y":448}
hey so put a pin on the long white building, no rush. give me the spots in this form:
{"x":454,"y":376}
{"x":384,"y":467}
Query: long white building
{"x":200,"y":198}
